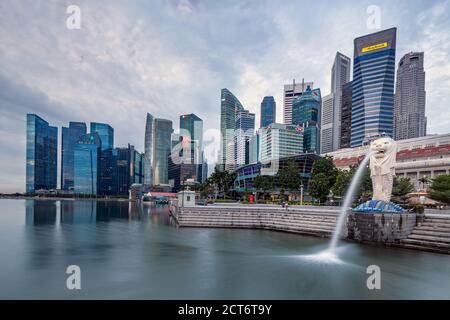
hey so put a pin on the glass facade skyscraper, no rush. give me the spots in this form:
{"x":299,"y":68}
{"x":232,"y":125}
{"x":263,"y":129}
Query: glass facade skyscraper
{"x":162,"y":148}
{"x":87,"y":164}
{"x":346,"y":115}
{"x":148,"y":150}
{"x":292,"y":91}
{"x":41,"y":154}
{"x":245,"y":129}
{"x":106,"y":134}
{"x":268,"y":111}
{"x":373,"y":86}
{"x":191,"y":131}
{"x":70,"y":137}
{"x":306,"y":113}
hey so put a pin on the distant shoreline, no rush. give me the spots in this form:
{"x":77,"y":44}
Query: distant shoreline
{"x":12,"y":197}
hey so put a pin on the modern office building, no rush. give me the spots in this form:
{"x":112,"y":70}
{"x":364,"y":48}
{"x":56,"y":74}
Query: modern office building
{"x":129,"y":169}
{"x":373,"y":86}
{"x":106,"y":134}
{"x":254,"y":147}
{"x":306,"y":113}
{"x":292,"y":91}
{"x":328,"y":124}
{"x":268,"y":111}
{"x":191,"y":131}
{"x":229,"y":107}
{"x":42,"y":154}
{"x":148,"y":150}
{"x":409,"y":112}
{"x":280,"y":140}
{"x":245,"y":129}
{"x":70,"y":137}
{"x":87,"y":159}
{"x":346,"y":115}
{"x":161,"y":152}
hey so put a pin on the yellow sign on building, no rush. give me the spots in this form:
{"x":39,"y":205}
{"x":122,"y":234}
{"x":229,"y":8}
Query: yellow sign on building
{"x":374,"y":47}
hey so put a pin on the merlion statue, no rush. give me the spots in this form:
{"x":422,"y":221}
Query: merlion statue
{"x":382,"y":167}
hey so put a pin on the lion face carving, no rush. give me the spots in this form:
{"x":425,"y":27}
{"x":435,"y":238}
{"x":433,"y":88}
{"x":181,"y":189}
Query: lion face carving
{"x":382,"y":166}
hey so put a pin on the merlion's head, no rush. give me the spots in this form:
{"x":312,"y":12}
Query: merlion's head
{"x":383,"y":148}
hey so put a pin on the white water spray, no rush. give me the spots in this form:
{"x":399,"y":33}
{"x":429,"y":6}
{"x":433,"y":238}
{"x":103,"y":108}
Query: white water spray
{"x":347,"y":202}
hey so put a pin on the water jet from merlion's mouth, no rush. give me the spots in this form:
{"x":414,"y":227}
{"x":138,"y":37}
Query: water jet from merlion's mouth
{"x":347,"y":202}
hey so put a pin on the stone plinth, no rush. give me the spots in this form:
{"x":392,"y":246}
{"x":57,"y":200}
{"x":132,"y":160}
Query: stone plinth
{"x":380,"y":227}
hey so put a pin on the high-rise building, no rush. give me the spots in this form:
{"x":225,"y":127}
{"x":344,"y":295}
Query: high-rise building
{"x":245,"y":129}
{"x":106,"y":134}
{"x":42,"y":154}
{"x":128,"y":169}
{"x":346,"y":115}
{"x":162,"y":148}
{"x":70,"y":137}
{"x":306,"y":113}
{"x":191,"y":131}
{"x":409,"y":115}
{"x":280,"y":140}
{"x":292,"y":91}
{"x":327,"y":125}
{"x":254,"y":147}
{"x":229,"y":107}
{"x":373,"y":86}
{"x":87,"y":164}
{"x":268,"y":111}
{"x":148,"y":150}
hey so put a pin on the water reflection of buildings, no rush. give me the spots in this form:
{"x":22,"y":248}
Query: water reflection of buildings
{"x":40,"y":212}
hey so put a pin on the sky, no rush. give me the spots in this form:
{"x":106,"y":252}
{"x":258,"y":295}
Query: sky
{"x":170,"y":57}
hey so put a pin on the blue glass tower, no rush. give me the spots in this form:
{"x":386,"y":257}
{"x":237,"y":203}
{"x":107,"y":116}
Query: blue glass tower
{"x":373,"y":86}
{"x":106,"y":134}
{"x":42,"y":150}
{"x":268,"y":111}
{"x":306,"y":110}
{"x":70,"y":137}
{"x":87,"y":164}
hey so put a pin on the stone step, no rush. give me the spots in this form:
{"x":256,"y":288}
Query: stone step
{"x":435,"y":225}
{"x":428,"y":244}
{"x":444,"y":221}
{"x":432,"y":228}
{"x":293,"y":217}
{"x":432,"y":233}
{"x":424,"y":248}
{"x":429,"y":238}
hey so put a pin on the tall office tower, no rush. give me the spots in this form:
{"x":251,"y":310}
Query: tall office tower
{"x":162,"y":148}
{"x":346,"y":115}
{"x":87,"y":154}
{"x":340,"y":75}
{"x":306,"y":113}
{"x":70,"y":137}
{"x":42,"y":154}
{"x":409,"y":116}
{"x":328,"y":124}
{"x":191,"y":131}
{"x":128,"y":169}
{"x":268,"y":111}
{"x":254,"y":147}
{"x":229,"y":107}
{"x":105,"y":132}
{"x":373,"y":86}
{"x":280,"y":140}
{"x":245,"y":129}
{"x":148,"y":150}
{"x":292,"y":91}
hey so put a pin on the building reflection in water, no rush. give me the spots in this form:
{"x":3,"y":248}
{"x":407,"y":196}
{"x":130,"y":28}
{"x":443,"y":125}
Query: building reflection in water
{"x":40,"y":212}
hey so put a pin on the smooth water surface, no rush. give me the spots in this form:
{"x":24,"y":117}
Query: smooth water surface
{"x":136,"y":251}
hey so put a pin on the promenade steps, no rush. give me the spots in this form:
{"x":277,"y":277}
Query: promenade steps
{"x":433,"y":234}
{"x":310,"y":222}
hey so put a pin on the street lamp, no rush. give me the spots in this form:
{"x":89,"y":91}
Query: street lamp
{"x":301,"y":194}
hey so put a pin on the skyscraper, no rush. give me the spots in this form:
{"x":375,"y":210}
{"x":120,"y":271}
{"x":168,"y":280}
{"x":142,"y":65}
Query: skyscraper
{"x":306,"y":113}
{"x":245,"y":129}
{"x":280,"y":140}
{"x":229,"y":107}
{"x":373,"y":86}
{"x":409,"y":116}
{"x":70,"y":137}
{"x":128,"y":169}
{"x":42,"y":154}
{"x":148,"y":150}
{"x":106,"y":134}
{"x":292,"y":91}
{"x":191,"y":132}
{"x":87,"y":164}
{"x":268,"y":111}
{"x":162,"y":148}
{"x":346,"y":115}
{"x":327,"y":123}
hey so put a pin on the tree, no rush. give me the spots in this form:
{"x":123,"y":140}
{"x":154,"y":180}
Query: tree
{"x":324,"y":174}
{"x":400,"y":189}
{"x":440,"y":188}
{"x":343,"y":179}
{"x":365,"y":189}
{"x":425,"y":181}
{"x":263,"y":183}
{"x":289,"y":176}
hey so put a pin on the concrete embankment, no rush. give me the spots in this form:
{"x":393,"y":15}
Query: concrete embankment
{"x":317,"y":222}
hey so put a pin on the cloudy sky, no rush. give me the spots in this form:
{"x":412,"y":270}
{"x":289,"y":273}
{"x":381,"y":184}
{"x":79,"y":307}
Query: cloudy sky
{"x":170,"y":57}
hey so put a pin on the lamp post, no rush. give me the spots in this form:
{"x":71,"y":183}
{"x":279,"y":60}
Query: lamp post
{"x":301,"y":194}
